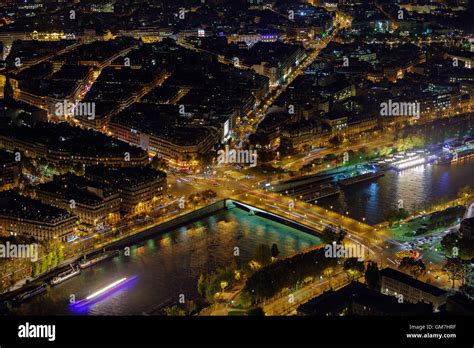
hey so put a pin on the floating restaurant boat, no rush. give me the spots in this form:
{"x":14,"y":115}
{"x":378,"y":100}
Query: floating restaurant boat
{"x":29,"y":294}
{"x":409,"y":162}
{"x":451,"y":158}
{"x":359,"y":178}
{"x":66,"y":275}
{"x":325,"y":192}
{"x":84,"y":263}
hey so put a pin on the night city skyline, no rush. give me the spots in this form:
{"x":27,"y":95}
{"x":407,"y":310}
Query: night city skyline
{"x":203,"y":158}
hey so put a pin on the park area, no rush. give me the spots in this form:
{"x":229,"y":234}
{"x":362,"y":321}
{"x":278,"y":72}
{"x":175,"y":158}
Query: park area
{"x":430,"y":224}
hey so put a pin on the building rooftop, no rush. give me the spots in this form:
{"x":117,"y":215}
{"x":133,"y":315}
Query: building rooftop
{"x":410,"y":281}
{"x":128,"y":76}
{"x":63,"y":137}
{"x":97,"y":52}
{"x":123,"y":177}
{"x":71,"y":72}
{"x":6,"y":158}
{"x":78,"y":188}
{"x":162,"y":121}
{"x":335,"y":301}
{"x":16,"y":206}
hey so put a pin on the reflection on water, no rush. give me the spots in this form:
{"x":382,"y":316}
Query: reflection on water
{"x":417,"y":187}
{"x":168,"y":265}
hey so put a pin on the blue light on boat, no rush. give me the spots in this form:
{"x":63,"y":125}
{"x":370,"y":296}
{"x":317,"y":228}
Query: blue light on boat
{"x":103,"y":292}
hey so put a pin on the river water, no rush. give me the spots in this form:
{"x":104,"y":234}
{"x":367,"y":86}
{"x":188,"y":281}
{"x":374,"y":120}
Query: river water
{"x":416,"y":187}
{"x":168,"y":265}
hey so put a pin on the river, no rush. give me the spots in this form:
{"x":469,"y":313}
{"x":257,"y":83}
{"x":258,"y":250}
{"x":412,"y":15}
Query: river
{"x":416,"y":187}
{"x":168,"y":265}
